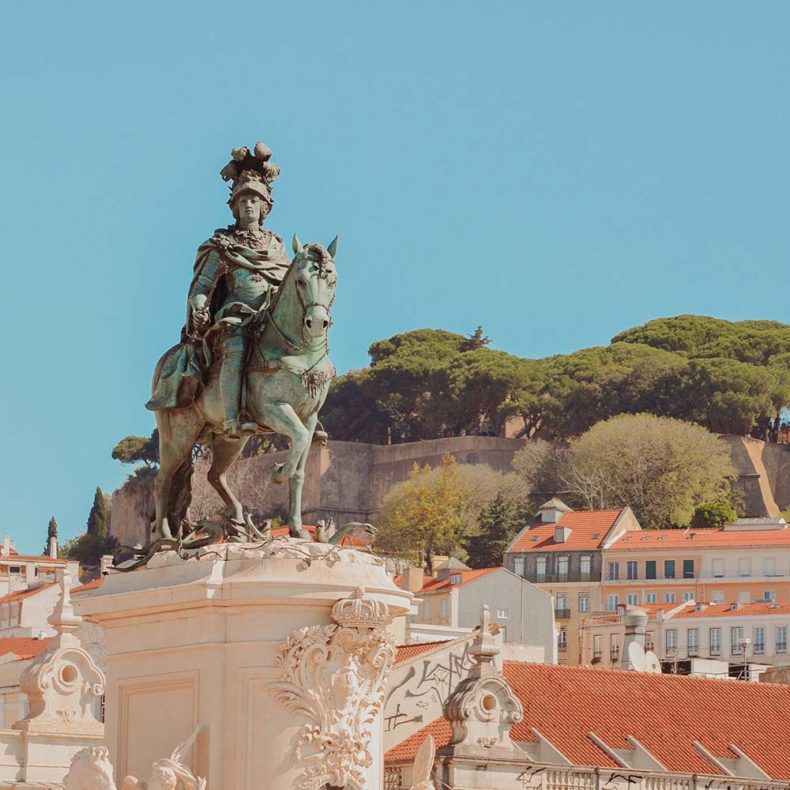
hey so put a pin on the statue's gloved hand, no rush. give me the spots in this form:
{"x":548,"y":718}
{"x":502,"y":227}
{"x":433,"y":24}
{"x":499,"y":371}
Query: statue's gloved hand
{"x":200,"y":319}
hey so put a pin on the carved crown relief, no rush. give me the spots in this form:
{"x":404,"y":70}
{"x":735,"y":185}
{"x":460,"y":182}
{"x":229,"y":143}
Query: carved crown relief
{"x":333,"y":677}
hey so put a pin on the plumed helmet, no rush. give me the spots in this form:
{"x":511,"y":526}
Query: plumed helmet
{"x":251,"y":172}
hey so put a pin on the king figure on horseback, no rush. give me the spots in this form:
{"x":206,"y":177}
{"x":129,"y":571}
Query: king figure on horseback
{"x":253,"y":356}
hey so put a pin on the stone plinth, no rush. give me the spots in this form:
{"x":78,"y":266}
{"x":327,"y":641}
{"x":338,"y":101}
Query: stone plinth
{"x":253,"y":644}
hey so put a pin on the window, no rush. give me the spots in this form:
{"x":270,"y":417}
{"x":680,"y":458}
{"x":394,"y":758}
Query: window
{"x":614,"y":602}
{"x":585,"y":565}
{"x":632,"y":599}
{"x":692,"y":641}
{"x":614,"y":647}
{"x":651,"y":598}
{"x":426,"y":610}
{"x":632,"y":569}
{"x":736,"y":637}
{"x":714,"y":639}
{"x":688,"y":569}
{"x":781,"y":638}
{"x":443,"y":609}
{"x":688,"y":596}
{"x":502,"y":614}
{"x":717,"y":596}
{"x":744,"y":596}
{"x":597,"y":647}
{"x":769,"y":566}
{"x":669,"y":597}
{"x":669,"y":569}
{"x":649,"y":640}
{"x":758,"y":640}
{"x":15,"y":569}
{"x":769,"y":595}
{"x":670,"y":641}
{"x":518,"y":566}
{"x":561,"y":605}
{"x":718,"y":568}
{"x":562,"y":640}
{"x":540,"y":567}
{"x":562,"y":567}
{"x":650,"y":569}
{"x":584,"y":602}
{"x":614,"y":571}
{"x":744,"y":566}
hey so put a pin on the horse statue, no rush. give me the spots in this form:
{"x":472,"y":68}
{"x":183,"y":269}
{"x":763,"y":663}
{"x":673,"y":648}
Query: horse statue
{"x":287,"y":378}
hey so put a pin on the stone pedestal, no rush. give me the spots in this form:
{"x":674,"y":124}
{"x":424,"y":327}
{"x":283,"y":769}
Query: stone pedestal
{"x":279,"y":653}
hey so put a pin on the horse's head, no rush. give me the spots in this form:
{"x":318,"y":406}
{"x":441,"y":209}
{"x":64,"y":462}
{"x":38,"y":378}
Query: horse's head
{"x":90,"y":768}
{"x":315,"y":278}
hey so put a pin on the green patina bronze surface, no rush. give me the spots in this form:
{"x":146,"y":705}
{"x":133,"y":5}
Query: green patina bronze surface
{"x":253,"y":356}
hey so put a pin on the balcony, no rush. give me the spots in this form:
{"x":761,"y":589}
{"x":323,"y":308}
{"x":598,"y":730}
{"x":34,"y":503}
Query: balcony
{"x":562,"y":614}
{"x":561,"y":578}
{"x":614,"y":654}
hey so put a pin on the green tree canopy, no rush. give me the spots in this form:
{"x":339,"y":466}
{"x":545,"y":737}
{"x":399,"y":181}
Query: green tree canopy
{"x":662,"y":468}
{"x":138,"y":449}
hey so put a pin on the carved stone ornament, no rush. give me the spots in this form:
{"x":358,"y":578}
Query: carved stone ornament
{"x":63,"y":684}
{"x":423,"y":765}
{"x":91,"y":769}
{"x":483,"y":707}
{"x":333,"y":677}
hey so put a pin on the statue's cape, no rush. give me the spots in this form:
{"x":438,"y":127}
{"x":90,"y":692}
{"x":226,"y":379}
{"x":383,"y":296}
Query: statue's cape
{"x":180,"y":373}
{"x":272,"y":263}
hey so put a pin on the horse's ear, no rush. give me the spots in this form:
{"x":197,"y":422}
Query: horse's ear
{"x":296,"y":244}
{"x":332,"y":248}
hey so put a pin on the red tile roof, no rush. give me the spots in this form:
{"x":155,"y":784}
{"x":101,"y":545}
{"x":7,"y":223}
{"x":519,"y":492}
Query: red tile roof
{"x":432,"y":585}
{"x":405,"y":652}
{"x":743,"y":610}
{"x":665,"y":713}
{"x":91,"y":585}
{"x":7,"y":559}
{"x":22,"y":594}
{"x":347,"y":540}
{"x":588,"y":531}
{"x":23,"y":646}
{"x":713,"y":537}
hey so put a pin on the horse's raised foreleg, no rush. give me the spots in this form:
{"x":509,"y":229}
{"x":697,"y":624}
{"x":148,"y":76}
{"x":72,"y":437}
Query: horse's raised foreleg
{"x":224,"y":452}
{"x":296,"y":483}
{"x":282,"y":418}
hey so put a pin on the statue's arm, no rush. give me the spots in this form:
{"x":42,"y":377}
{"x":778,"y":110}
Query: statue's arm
{"x":206,"y":279}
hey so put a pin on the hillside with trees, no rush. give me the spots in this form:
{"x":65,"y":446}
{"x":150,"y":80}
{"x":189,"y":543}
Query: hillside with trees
{"x":729,"y":377}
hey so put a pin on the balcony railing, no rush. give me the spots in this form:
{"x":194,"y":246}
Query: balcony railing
{"x":562,"y":614}
{"x":614,"y":654}
{"x":562,"y":647}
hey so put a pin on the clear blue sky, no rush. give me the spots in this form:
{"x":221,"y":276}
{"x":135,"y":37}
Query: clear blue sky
{"x":554,"y":171}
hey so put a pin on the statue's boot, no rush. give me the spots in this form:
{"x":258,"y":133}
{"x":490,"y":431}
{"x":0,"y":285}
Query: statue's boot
{"x":230,"y":386}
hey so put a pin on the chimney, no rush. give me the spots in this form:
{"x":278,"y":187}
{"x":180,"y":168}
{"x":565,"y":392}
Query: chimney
{"x":635,"y":622}
{"x":6,"y":545}
{"x":413,"y":579}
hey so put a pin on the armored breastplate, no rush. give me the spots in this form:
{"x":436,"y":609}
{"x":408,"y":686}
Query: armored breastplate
{"x":248,"y":287}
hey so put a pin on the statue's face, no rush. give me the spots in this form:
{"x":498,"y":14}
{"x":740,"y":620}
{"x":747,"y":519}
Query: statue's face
{"x":250,"y":208}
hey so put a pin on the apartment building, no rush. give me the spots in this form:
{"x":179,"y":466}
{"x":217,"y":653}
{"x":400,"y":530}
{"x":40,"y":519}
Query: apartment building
{"x":561,"y":552}
{"x":743,"y":563}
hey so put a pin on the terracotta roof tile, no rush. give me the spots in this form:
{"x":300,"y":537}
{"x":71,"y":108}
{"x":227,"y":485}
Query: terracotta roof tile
{"x":712,"y":537}
{"x":432,"y":585}
{"x":6,"y":559}
{"x":743,"y":610}
{"x":588,"y":531}
{"x":23,"y":646}
{"x":405,"y":652}
{"x":664,"y":712}
{"x":91,"y":585}
{"x":20,"y":595}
